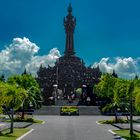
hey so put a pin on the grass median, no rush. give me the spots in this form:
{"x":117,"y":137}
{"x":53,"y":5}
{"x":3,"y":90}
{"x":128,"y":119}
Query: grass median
{"x":126,"y":134}
{"x":26,"y":119}
{"x":5,"y":135}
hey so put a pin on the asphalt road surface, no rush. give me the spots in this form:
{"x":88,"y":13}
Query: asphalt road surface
{"x":70,"y":128}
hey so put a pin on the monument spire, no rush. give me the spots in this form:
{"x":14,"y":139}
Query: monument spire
{"x":69,"y":24}
{"x":70,"y":8}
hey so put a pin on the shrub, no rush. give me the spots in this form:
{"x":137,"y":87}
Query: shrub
{"x":119,"y":120}
{"x":26,"y":119}
{"x":69,"y":110}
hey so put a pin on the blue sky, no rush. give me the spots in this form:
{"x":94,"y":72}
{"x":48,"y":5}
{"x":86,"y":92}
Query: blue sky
{"x":105,"y":28}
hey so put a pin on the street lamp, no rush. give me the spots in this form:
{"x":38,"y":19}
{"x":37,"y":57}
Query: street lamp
{"x":131,"y":89}
{"x":84,"y":92}
{"x":57,"y":61}
{"x":55,"y":92}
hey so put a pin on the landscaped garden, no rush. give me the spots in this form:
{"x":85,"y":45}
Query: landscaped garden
{"x":20,"y":93}
{"x":5,"y":135}
{"x":16,"y":118}
{"x":20,"y":96}
{"x":119,"y":120}
{"x":114,"y":95}
{"x":126,"y":134}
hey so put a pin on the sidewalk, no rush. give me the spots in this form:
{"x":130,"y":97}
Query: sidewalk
{"x":6,"y":125}
{"x":136,"y":126}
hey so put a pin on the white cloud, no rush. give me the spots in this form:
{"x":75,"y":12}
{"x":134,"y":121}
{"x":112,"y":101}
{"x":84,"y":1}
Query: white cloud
{"x":124,"y":67}
{"x":104,"y":65}
{"x":21,"y":54}
{"x":44,"y":60}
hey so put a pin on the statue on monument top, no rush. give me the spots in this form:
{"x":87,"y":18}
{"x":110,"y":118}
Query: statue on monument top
{"x":69,"y":21}
{"x":69,"y":24}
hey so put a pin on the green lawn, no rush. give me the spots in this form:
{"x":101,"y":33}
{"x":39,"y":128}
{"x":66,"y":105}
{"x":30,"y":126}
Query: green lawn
{"x":17,"y":133}
{"x":120,"y":120}
{"x":125,"y":134}
{"x":31,"y":120}
{"x":38,"y":121}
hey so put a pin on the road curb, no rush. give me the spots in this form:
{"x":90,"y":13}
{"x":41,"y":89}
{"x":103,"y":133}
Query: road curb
{"x":98,"y":123}
{"x":25,"y":134}
{"x":115,"y":134}
{"x":43,"y":122}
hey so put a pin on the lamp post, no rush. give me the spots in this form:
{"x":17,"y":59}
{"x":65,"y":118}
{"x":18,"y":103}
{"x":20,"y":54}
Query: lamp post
{"x":57,"y":61}
{"x":55,"y":86}
{"x":55,"y":92}
{"x":12,"y":120}
{"x":84,"y":92}
{"x":131,"y":88}
{"x":131,"y":116}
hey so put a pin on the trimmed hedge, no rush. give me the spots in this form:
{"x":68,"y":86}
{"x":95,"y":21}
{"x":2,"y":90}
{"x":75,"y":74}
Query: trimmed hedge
{"x":69,"y":110}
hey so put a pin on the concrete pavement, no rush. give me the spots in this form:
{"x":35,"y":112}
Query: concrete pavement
{"x":6,"y":125}
{"x":70,"y":128}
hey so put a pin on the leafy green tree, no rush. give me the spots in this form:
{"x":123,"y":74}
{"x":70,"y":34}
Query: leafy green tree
{"x":104,"y":90}
{"x":114,"y":89}
{"x":121,"y":89}
{"x":11,"y":96}
{"x":105,"y":87}
{"x":28,"y":83}
{"x":136,"y":95}
{"x":137,"y":102}
{"x":2,"y":78}
{"x":120,"y":96}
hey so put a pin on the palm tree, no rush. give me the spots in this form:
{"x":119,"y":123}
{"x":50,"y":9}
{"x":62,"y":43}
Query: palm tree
{"x":28,"y":83}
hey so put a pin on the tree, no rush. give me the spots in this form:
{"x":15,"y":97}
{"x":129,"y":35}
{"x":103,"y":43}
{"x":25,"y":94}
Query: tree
{"x":136,"y":94}
{"x":120,"y":97}
{"x":11,"y":96}
{"x":28,"y":83}
{"x":105,"y":87}
{"x":114,"y":74}
{"x":130,"y":92}
{"x":114,"y":91}
{"x":2,"y":78}
{"x":12,"y":99}
{"x":25,"y":72}
{"x":104,"y":90}
{"x":137,"y":101}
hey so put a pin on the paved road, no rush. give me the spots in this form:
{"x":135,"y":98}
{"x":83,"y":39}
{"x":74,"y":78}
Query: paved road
{"x":70,"y":128}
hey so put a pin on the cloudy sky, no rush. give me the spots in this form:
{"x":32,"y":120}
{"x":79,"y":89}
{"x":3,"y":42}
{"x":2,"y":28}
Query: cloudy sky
{"x":107,"y":33}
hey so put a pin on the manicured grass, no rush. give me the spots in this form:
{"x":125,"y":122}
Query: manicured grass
{"x":126,"y":134}
{"x":31,"y":120}
{"x":113,"y":121}
{"x":69,"y":109}
{"x":5,"y":135}
{"x":73,"y":110}
{"x":38,"y":121}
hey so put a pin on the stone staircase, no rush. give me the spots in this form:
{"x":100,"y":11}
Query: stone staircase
{"x":48,"y":110}
{"x":89,"y":110}
{"x":55,"y":110}
{"x":66,"y":103}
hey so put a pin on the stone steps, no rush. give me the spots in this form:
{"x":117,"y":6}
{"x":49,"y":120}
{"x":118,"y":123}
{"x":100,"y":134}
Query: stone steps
{"x":66,"y":103}
{"x":48,"y":110}
{"x":55,"y":110}
{"x":89,"y":110}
